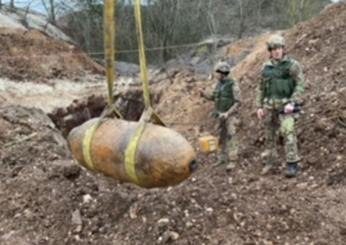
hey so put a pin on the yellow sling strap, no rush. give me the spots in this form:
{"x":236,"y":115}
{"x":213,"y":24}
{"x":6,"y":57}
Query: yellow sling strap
{"x":130,"y":153}
{"x":87,"y":140}
{"x":142,"y":57}
{"x":131,"y":150}
{"x":148,"y":114}
{"x":109,"y":39}
{"x":109,"y":46}
{"x":109,"y":43}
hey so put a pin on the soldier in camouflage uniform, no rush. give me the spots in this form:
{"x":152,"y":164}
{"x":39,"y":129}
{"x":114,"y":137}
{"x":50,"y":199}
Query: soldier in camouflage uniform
{"x":279,"y":93}
{"x":226,"y":97}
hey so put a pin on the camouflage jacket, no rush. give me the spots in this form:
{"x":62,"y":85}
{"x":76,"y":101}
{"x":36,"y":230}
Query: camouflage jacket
{"x":226,"y":95}
{"x":280,"y":83}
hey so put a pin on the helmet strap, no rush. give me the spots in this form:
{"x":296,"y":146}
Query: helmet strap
{"x":223,"y":73}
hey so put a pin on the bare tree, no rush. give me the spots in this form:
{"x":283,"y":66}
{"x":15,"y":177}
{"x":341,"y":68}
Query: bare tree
{"x":12,"y":5}
{"x":164,"y":28}
{"x":24,"y":20}
{"x":50,"y":7}
{"x":213,"y":29}
{"x":302,"y":9}
{"x":241,"y":19}
{"x":83,"y":21}
{"x":175,"y":22}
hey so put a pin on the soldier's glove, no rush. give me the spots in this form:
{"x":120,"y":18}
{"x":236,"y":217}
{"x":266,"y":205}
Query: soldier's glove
{"x":224,"y":115}
{"x":297,"y":107}
{"x":233,"y":110}
{"x":215,"y":114}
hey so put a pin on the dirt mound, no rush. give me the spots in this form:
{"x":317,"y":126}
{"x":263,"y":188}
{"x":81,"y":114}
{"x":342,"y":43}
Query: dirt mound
{"x":32,"y":55}
{"x":49,"y":200}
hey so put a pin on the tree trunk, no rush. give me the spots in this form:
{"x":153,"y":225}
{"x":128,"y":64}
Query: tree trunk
{"x":213,"y":31}
{"x":302,"y":10}
{"x":52,"y":12}
{"x":12,"y":5}
{"x":166,"y":52}
{"x":241,"y":20}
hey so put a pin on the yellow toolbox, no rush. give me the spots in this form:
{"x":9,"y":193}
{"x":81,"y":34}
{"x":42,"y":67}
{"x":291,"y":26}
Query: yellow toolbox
{"x":208,"y":143}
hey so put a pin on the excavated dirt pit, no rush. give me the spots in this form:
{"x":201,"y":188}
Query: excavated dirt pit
{"x":129,"y":104}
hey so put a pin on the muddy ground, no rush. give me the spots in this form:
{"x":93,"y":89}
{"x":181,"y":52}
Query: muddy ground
{"x":46,"y":198}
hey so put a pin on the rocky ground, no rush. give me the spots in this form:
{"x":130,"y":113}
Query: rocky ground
{"x":46,"y":198}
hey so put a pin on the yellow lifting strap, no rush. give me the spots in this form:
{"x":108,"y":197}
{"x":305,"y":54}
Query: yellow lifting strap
{"x":109,"y":38}
{"x":109,"y":43}
{"x":109,"y":46}
{"x":148,"y":114}
{"x":87,"y":140}
{"x":131,"y":151}
{"x":142,"y":57}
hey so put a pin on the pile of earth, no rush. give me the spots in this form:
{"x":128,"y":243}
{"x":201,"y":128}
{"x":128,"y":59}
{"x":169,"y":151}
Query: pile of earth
{"x":47,"y":199}
{"x":33,"y":55}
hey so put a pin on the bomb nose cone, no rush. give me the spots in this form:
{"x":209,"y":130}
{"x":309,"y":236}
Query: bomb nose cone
{"x":193,"y":166}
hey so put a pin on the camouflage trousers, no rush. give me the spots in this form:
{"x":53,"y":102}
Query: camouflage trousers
{"x":284,"y":124}
{"x":228,"y":138}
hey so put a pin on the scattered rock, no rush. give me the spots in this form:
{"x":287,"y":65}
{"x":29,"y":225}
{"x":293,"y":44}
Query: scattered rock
{"x":169,"y":236}
{"x":87,"y":198}
{"x":76,"y":218}
{"x":163,"y":221}
{"x":71,"y":172}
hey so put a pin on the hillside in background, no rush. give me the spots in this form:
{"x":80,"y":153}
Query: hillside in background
{"x":33,"y":49}
{"x":170,"y":24}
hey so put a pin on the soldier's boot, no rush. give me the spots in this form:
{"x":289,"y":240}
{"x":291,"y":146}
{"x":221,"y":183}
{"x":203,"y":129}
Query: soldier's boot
{"x":223,"y":159}
{"x":230,"y":166}
{"x":233,"y":159}
{"x":265,"y":155}
{"x":292,"y":170}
